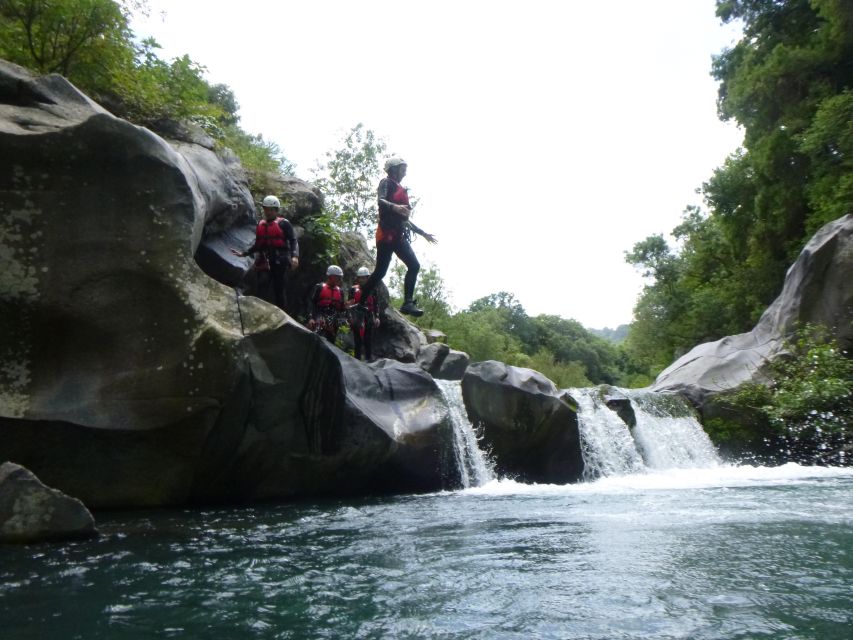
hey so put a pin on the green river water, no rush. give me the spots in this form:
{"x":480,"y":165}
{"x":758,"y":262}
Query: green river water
{"x":725,"y":552}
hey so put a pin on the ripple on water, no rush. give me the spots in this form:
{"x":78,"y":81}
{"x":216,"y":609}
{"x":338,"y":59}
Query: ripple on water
{"x":637,"y":559}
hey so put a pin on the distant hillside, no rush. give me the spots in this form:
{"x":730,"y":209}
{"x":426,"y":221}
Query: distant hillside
{"x":615,"y":336}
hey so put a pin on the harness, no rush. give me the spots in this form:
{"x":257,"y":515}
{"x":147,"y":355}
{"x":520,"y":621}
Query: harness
{"x":369,"y":304}
{"x":329,"y":303}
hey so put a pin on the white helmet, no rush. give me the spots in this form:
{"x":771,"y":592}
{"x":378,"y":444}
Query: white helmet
{"x":362,"y":271}
{"x":335,"y":270}
{"x":271,"y":202}
{"x":394,"y":161}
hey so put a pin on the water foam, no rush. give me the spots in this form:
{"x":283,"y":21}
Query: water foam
{"x":606,"y":443}
{"x":730,"y":476}
{"x":669,"y":441}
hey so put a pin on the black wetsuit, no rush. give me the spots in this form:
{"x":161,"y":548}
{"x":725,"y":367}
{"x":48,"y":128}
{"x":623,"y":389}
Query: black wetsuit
{"x":273,"y":260}
{"x":392,"y":237}
{"x":362,"y":315}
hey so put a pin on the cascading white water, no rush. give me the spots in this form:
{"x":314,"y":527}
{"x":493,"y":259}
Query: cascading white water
{"x":666,"y":436}
{"x":606,"y":443}
{"x":474,"y":468}
{"x":668,"y":441}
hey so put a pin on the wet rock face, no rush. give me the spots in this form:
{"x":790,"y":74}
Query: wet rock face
{"x":816,"y":290}
{"x":530,"y":427}
{"x":129,"y":376}
{"x":620,"y":404}
{"x":32,"y":512}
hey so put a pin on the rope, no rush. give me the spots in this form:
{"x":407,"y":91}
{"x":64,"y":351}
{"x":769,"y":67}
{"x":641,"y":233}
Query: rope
{"x":239,"y":311}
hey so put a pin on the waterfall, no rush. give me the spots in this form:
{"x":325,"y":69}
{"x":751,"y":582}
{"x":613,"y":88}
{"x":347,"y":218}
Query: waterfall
{"x":606,"y":443}
{"x":474,"y":468}
{"x":666,"y":435}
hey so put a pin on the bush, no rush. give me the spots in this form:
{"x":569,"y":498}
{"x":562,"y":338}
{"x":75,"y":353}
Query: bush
{"x":806,"y":407}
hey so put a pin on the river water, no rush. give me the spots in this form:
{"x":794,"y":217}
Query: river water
{"x":709,"y":551}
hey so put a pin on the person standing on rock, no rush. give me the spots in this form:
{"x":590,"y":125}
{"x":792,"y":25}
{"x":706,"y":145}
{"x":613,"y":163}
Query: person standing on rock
{"x":326,"y":304}
{"x":276,"y":250}
{"x":393,"y":235}
{"x":363,"y":316}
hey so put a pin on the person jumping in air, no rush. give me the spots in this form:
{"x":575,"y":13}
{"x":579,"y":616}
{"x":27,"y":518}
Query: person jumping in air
{"x":393,"y":233}
{"x":326,"y":304}
{"x":276,"y":249}
{"x":363,"y":316}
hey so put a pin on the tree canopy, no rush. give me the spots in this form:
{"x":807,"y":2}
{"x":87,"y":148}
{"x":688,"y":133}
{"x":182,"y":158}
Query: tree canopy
{"x":90,"y":42}
{"x":789,"y":83}
{"x":497,"y":327}
{"x":80,"y":39}
{"x":348,"y":179}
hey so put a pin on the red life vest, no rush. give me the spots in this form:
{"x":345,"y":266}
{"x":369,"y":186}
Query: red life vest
{"x":389,"y":229}
{"x":400,"y":195}
{"x":370,"y":303}
{"x":270,"y":235}
{"x":329,"y":296}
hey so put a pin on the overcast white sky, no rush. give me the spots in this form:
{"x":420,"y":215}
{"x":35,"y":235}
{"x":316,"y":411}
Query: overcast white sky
{"x":544,"y":138}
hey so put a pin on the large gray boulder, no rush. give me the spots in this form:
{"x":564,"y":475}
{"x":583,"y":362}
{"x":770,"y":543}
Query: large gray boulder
{"x":442,"y":362}
{"x":130,"y":377}
{"x":229,"y":212}
{"x":816,"y":290}
{"x":529,"y":426}
{"x":32,"y":512}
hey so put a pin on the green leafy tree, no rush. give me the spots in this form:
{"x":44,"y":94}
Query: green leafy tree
{"x":222,"y":96}
{"x":496,"y":327}
{"x":789,"y":83}
{"x":348,"y":179}
{"x":480,"y":334}
{"x":87,"y":41}
{"x":516,"y":322}
{"x":570,"y":342}
{"x":430,"y":292}
{"x":563,"y":374}
{"x":90,"y":42}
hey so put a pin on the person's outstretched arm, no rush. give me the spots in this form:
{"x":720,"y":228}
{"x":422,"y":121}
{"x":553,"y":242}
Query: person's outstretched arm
{"x":428,"y":236}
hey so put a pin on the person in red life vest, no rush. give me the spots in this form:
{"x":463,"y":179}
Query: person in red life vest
{"x":393,"y":233}
{"x":276,"y":250}
{"x":326,"y":304}
{"x":363,"y":316}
